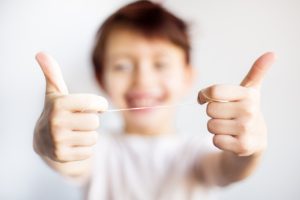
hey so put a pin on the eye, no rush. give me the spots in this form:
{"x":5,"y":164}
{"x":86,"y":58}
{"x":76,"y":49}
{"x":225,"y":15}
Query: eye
{"x":161,"y":65}
{"x":122,"y":66}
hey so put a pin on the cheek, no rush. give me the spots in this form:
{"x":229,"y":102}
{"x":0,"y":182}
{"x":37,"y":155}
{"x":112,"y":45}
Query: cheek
{"x":174,"y":85}
{"x":116,"y":88}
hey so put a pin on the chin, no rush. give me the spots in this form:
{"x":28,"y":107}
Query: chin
{"x":147,"y":122}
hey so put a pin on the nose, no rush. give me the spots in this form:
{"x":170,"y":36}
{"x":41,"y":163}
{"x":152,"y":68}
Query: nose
{"x":144,"y":76}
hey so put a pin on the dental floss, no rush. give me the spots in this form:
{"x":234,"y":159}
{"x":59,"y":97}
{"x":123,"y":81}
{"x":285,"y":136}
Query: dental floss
{"x":164,"y":106}
{"x":152,"y":107}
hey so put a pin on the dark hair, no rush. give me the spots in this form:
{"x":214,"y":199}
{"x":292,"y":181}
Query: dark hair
{"x":148,"y":18}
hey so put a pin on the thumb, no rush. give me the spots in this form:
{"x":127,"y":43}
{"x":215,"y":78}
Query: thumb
{"x":258,"y":70}
{"x":54,"y":79}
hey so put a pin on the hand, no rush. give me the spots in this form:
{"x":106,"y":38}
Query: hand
{"x":63,"y":132}
{"x":236,"y":119}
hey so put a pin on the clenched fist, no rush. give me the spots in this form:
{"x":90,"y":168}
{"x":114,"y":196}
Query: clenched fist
{"x":236,"y":119}
{"x":66,"y":129}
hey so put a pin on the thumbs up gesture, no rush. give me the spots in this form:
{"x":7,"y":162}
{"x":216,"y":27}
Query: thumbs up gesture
{"x":64,"y":133}
{"x":236,"y":120}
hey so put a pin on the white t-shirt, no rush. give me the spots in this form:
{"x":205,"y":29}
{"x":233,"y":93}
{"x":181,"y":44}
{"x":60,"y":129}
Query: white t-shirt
{"x":147,"y":168}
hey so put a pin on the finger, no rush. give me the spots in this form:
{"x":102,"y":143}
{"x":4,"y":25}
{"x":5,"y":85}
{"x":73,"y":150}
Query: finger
{"x":77,"y":153}
{"x":82,"y":103}
{"x":226,"y":143}
{"x":258,"y":70}
{"x":82,"y":138}
{"x":80,"y":121}
{"x":222,"y":93}
{"x":229,"y":110}
{"x":54,"y":79}
{"x":223,"y":127}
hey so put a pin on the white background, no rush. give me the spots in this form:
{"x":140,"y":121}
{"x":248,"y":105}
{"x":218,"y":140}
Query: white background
{"x":227,"y":37}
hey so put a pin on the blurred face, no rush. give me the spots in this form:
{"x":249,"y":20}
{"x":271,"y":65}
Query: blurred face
{"x":143,"y":72}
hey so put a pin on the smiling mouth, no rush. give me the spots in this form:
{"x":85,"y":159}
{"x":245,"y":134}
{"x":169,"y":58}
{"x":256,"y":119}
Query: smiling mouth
{"x":144,"y":102}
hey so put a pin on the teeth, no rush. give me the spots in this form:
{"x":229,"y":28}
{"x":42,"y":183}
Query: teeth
{"x":142,"y":102}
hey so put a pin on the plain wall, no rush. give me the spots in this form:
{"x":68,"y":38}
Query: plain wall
{"x":227,"y":37}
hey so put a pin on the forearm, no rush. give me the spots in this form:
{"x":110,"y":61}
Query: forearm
{"x":224,"y":168}
{"x":79,"y":171}
{"x":234,"y":168}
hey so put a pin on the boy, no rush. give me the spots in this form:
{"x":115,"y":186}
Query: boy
{"x":142,"y":59}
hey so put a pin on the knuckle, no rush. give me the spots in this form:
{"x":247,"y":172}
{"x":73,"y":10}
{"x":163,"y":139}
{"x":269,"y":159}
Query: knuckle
{"x":90,"y":140}
{"x":249,"y":109}
{"x":59,"y":153}
{"x":57,"y":103}
{"x":93,"y":102}
{"x":95,"y":122}
{"x":98,"y":101}
{"x":245,"y":126}
{"x":210,"y":109}
{"x":84,"y":154}
{"x":90,"y":151}
{"x":217,"y":141}
{"x":55,"y":123}
{"x":253,"y":96}
{"x":58,"y":137}
{"x":210,"y":125}
{"x":245,"y":146}
{"x":55,"y":116}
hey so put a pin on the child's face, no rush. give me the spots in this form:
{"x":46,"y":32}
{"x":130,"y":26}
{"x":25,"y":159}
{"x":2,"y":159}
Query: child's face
{"x":142,"y":72}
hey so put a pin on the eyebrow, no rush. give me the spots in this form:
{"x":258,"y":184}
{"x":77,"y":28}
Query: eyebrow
{"x":162,"y":55}
{"x":157,"y":54}
{"x":119,"y":55}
